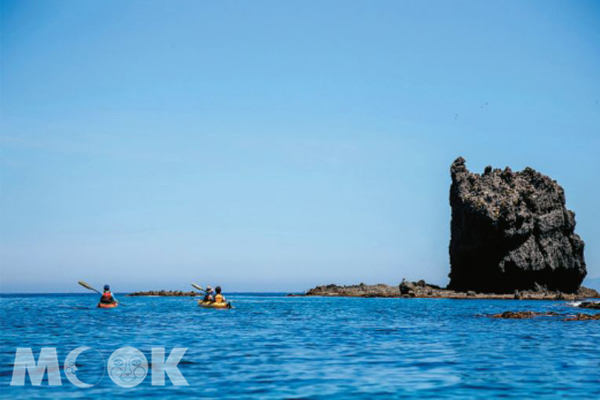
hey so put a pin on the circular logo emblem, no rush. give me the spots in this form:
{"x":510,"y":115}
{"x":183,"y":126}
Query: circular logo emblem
{"x":85,"y":368}
{"x":127,"y":367}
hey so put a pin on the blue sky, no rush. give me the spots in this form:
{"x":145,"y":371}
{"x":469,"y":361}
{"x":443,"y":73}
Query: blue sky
{"x":274,"y":146}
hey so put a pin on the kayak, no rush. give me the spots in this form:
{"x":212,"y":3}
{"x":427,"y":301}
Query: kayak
{"x":111,"y":305}
{"x":212,"y":304}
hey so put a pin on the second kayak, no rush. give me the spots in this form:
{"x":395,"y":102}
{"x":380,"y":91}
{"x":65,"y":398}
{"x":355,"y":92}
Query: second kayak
{"x":212,"y":304}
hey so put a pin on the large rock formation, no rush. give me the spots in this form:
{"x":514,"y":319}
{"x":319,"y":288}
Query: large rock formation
{"x":511,"y":231}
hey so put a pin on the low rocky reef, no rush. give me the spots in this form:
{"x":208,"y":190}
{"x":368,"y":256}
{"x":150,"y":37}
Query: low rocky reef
{"x":533,"y":314}
{"x":522,"y":314}
{"x":592,"y":305}
{"x":164,"y":293}
{"x":421,"y":289}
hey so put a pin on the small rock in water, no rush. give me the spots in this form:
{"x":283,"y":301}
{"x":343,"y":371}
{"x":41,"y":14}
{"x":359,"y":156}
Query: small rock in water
{"x":523,"y":314}
{"x":533,"y":314}
{"x":584,"y":317}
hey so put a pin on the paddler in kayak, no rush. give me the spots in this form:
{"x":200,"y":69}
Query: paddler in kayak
{"x":209,"y":296}
{"x":107,"y":296}
{"x":219,"y":298}
{"x":216,"y":301}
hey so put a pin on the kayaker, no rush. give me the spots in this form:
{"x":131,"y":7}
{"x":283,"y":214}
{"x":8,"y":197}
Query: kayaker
{"x":209,"y":294}
{"x":219,"y":298}
{"x":107,"y":296}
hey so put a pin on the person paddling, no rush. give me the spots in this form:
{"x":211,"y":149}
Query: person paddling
{"x":219,"y":298}
{"x":209,"y":296}
{"x":107,"y":296}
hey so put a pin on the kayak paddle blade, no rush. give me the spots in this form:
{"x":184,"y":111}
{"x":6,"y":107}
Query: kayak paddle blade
{"x":198,"y":287}
{"x":87,"y":286}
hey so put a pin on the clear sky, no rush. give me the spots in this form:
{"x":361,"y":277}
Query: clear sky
{"x":277,"y":145}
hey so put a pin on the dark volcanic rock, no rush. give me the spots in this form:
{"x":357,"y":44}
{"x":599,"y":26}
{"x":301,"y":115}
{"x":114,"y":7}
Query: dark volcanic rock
{"x":592,"y":305}
{"x":584,"y":317}
{"x":361,"y":290}
{"x":533,"y":314}
{"x":523,"y":314}
{"x":511,"y":231}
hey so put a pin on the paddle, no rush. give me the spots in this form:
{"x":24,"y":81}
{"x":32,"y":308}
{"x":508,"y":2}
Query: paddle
{"x":85,"y":285}
{"x":89,"y":287}
{"x":198,"y":287}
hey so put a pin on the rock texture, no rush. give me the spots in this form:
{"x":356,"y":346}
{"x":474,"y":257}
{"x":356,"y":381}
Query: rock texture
{"x":512,"y":232}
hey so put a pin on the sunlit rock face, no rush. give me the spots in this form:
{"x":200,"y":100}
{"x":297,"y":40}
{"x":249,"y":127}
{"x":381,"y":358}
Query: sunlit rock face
{"x":511,"y":231}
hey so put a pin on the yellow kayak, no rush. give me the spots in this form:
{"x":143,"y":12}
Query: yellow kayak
{"x":212,"y":304}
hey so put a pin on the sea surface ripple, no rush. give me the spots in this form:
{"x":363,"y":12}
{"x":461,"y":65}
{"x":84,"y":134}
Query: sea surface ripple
{"x":274,"y":347}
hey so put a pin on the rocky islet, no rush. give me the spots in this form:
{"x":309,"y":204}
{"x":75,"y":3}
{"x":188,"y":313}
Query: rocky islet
{"x":512,"y":237}
{"x":512,"y":231}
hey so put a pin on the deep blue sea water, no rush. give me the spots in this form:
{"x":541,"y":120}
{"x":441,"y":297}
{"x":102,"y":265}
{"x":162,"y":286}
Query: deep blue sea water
{"x":272,"y":346}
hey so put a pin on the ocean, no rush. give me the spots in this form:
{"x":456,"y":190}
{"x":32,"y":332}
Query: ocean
{"x":276,"y":347}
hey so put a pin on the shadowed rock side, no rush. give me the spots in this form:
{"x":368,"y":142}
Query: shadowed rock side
{"x":511,"y":231}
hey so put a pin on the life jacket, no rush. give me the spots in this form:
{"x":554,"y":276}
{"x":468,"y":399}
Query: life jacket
{"x":107,"y":297}
{"x":219,"y":298}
